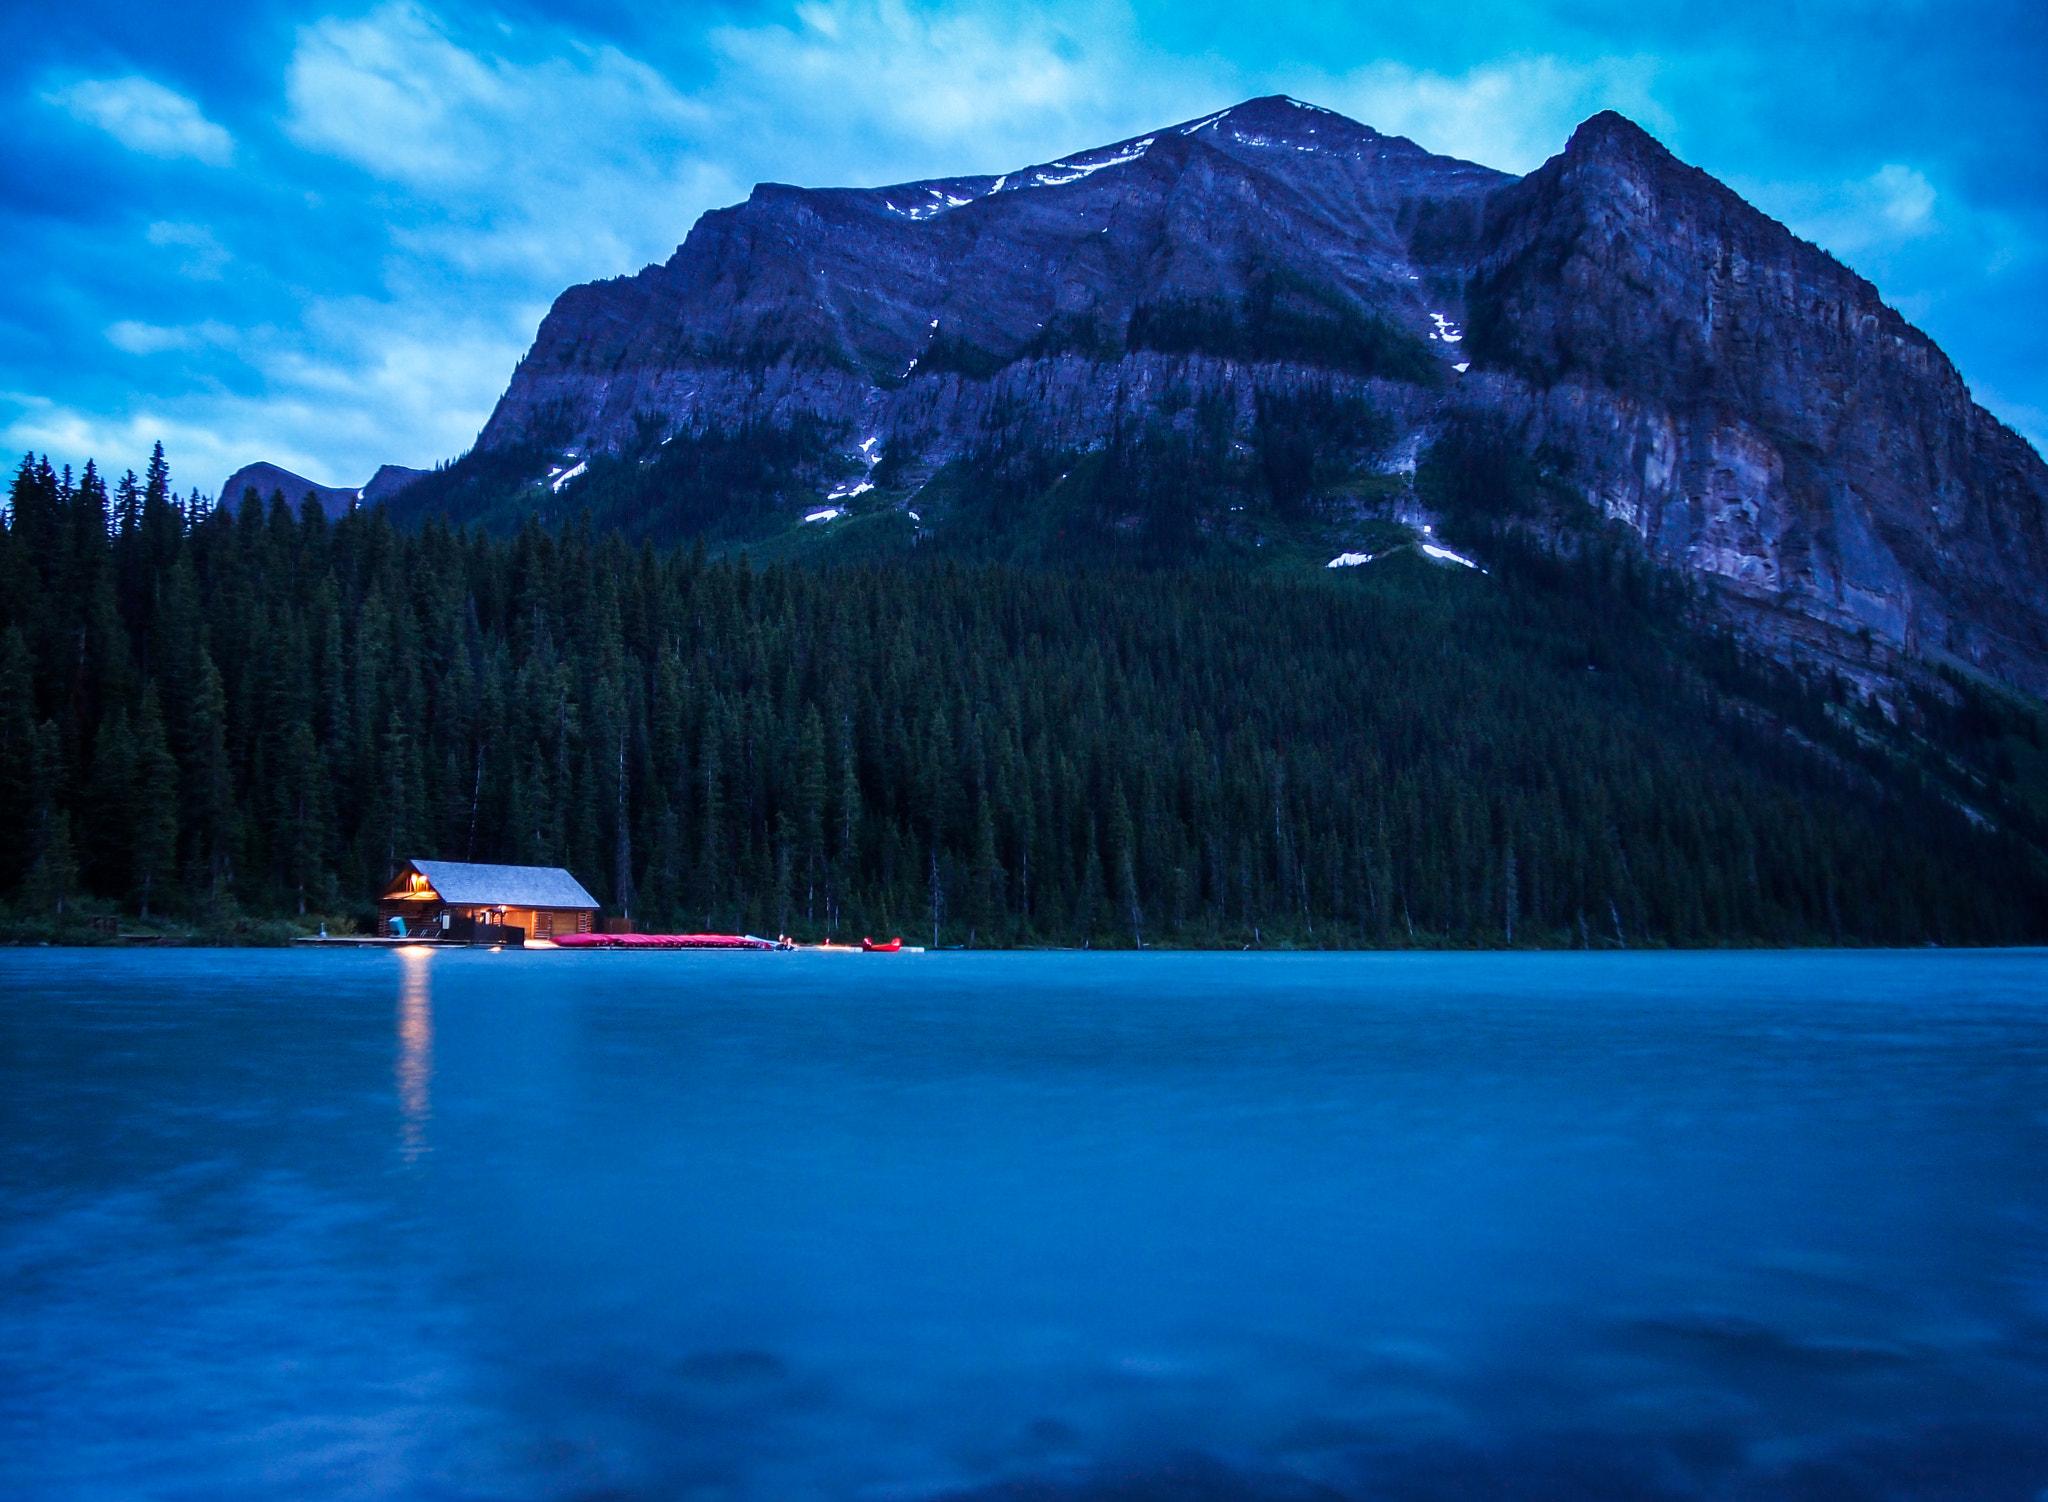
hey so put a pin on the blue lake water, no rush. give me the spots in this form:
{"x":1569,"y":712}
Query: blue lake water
{"x":737,"y":1226}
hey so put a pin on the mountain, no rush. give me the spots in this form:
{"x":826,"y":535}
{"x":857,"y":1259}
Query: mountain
{"x":1552,"y":424}
{"x":1754,"y":411}
{"x":1276,"y":318}
{"x":388,"y":481}
{"x":266,"y":479}
{"x":335,"y":500}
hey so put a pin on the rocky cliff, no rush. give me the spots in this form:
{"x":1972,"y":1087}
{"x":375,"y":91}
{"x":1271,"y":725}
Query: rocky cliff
{"x":925,"y":307}
{"x":1745,"y":404}
{"x":1752,"y":408}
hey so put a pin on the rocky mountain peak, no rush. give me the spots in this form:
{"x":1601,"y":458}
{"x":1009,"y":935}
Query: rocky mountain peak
{"x":1611,"y":133}
{"x":1747,"y":406}
{"x":264,"y":480}
{"x":1281,"y":120}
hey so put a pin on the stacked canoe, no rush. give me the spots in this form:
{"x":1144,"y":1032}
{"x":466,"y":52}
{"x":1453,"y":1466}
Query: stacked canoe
{"x":662,"y":941}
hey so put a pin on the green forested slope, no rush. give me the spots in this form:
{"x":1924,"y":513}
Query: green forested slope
{"x":260,"y":712}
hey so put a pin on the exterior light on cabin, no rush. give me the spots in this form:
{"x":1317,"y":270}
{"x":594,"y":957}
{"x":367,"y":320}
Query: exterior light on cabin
{"x":536,"y":901}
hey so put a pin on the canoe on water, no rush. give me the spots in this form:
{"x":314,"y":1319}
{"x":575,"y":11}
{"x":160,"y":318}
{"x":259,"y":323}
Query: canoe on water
{"x":662,"y":941}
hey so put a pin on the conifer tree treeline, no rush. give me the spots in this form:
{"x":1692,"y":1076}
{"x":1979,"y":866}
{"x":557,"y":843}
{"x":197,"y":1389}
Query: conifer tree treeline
{"x":251,"y":709}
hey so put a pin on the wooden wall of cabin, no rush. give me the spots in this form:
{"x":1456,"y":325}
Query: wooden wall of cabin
{"x":418,"y":913}
{"x":547,"y":922}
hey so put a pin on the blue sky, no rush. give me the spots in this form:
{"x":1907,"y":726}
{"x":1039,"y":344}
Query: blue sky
{"x":324,"y":234}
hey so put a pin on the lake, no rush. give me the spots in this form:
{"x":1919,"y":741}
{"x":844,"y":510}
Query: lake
{"x":456,"y":1225}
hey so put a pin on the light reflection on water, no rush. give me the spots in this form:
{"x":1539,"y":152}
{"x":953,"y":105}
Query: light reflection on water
{"x":415,"y":1067}
{"x":1403,"y":1228}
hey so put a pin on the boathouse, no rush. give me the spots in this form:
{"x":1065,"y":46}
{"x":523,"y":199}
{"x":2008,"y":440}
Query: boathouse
{"x":452,"y":897}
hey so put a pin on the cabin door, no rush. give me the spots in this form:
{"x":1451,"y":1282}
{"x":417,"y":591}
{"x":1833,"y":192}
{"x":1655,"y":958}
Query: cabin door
{"x":543,"y":925}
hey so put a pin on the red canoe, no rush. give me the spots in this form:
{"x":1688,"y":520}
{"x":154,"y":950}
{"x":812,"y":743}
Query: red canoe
{"x":662,"y":941}
{"x":869,"y":946}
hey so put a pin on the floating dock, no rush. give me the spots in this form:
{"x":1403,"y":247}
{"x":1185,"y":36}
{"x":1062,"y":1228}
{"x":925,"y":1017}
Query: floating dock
{"x":595,"y":941}
{"x":378,"y":941}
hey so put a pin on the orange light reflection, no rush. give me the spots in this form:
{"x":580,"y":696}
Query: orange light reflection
{"x":415,"y":1069}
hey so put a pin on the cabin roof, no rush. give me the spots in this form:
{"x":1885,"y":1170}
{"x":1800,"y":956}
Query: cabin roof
{"x":472,"y":885}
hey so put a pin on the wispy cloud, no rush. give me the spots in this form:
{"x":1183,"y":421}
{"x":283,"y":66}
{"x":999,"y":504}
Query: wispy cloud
{"x":359,"y":383}
{"x":1510,"y":114}
{"x":415,"y":180}
{"x":149,"y":339}
{"x":507,"y":165}
{"x":1893,"y":205}
{"x":578,"y":164}
{"x":71,"y":432}
{"x":891,"y":91}
{"x":145,"y":116}
{"x":502,"y":164}
{"x":203,"y":255}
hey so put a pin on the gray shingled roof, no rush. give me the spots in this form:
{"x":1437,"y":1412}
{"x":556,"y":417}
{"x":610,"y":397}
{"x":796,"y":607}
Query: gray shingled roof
{"x":468,"y":885}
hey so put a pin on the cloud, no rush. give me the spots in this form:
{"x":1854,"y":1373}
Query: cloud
{"x":394,"y":93}
{"x":145,"y":116}
{"x":1893,"y":205}
{"x":361,"y":383}
{"x":116,"y":440}
{"x":483,"y":185}
{"x":206,"y":254}
{"x":1512,"y":114}
{"x":496,"y":166}
{"x":518,"y":163}
{"x":439,"y":173}
{"x":1904,"y":198}
{"x":509,"y":164}
{"x":574,"y":165}
{"x":148,"y":339}
{"x":893,"y":92}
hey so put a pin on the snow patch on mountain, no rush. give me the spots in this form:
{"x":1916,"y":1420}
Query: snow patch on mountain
{"x":1445,"y":554}
{"x":1255,"y":138}
{"x":847,"y":490}
{"x":941,"y":202}
{"x":1059,"y":174}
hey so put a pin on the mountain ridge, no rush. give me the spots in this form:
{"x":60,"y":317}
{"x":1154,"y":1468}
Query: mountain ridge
{"x":267,"y":479}
{"x":336,"y":501}
{"x":1747,"y":407}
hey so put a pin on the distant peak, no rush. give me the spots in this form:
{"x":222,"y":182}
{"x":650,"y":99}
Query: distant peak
{"x":1269,"y":120}
{"x":267,"y":479}
{"x":1285,"y":102}
{"x":1270,"y":110}
{"x":1609,"y":132}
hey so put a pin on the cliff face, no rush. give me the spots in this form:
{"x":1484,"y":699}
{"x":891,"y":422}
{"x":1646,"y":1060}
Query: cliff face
{"x":1745,"y":404}
{"x":927,"y":306}
{"x":1754,"y":410}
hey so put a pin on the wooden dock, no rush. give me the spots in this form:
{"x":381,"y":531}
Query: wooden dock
{"x":372,"y":941}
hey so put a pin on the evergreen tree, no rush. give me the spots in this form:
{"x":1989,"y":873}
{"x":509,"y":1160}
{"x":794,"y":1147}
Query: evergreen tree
{"x":155,"y":843}
{"x":271,"y":711}
{"x":53,"y":863}
{"x":210,"y":788}
{"x":19,"y":749}
{"x":110,"y":806}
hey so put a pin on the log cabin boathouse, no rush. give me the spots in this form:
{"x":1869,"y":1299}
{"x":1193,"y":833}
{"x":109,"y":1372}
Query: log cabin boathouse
{"x":449,"y":899}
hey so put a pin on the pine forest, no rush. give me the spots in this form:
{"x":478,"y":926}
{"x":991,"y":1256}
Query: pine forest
{"x":236,"y":721}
